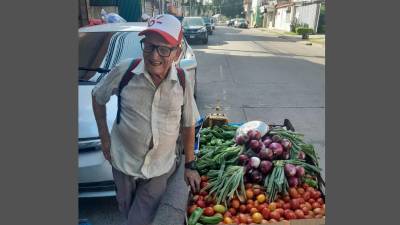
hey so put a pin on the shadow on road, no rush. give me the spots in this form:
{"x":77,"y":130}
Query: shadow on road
{"x":263,"y":81}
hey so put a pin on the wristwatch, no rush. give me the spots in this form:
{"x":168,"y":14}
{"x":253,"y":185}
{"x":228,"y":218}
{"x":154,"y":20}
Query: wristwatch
{"x":191,"y":165}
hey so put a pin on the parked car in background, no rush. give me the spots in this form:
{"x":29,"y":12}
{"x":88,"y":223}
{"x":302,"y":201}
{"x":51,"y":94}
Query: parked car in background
{"x":194,"y":28}
{"x":241,"y":23}
{"x":101,"y":47}
{"x":207,"y":21}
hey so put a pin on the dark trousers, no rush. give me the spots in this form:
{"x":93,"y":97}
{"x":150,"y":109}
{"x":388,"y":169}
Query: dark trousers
{"x":138,"y":199}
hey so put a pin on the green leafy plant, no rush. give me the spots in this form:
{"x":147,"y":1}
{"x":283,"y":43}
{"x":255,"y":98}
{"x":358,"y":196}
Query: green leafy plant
{"x":304,"y":30}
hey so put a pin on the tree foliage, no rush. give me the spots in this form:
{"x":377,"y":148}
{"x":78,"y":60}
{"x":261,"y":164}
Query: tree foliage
{"x":229,"y":8}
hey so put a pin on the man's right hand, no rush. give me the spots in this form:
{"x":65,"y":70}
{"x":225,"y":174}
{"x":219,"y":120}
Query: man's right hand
{"x":100,"y":116}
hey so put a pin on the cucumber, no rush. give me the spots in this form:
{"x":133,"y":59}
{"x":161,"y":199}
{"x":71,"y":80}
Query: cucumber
{"x":195,"y":216}
{"x":209,"y":220}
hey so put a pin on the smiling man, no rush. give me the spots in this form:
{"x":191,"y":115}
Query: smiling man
{"x":155,"y":102}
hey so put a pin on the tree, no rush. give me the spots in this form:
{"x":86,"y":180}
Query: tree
{"x":229,"y":8}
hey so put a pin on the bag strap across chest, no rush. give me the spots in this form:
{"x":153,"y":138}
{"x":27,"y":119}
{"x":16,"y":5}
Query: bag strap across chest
{"x":129,"y":75}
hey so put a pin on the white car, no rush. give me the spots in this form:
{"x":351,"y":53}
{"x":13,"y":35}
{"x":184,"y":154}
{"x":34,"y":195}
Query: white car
{"x":101,"y":47}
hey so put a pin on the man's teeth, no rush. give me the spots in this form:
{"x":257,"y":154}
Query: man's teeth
{"x":155,"y":63}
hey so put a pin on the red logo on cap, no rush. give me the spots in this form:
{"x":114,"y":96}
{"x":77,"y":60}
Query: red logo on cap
{"x":155,"y":20}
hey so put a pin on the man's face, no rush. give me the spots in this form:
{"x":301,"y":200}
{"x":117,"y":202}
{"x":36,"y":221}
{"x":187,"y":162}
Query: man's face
{"x":155,"y":63}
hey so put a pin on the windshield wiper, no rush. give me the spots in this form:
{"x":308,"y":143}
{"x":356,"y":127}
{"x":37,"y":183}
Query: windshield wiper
{"x":99,"y":70}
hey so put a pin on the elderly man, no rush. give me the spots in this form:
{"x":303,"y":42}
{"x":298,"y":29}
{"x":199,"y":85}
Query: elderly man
{"x":155,"y":101}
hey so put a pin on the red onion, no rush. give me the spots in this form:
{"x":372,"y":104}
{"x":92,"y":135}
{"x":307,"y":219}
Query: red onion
{"x":270,"y":154}
{"x":256,"y":176}
{"x":267,"y":142}
{"x":301,"y":155}
{"x":254,"y":134}
{"x":300,"y":171}
{"x":276,"y":148}
{"x":286,"y":144}
{"x":255,"y":162}
{"x":290,"y":170}
{"x":265,"y":166}
{"x":243,"y":159}
{"x":263,"y":154}
{"x":286,"y":155}
{"x":248,"y":168}
{"x":259,"y":148}
{"x":257,"y":135}
{"x":254,"y":145}
{"x":241,"y":139}
{"x":293,"y":181}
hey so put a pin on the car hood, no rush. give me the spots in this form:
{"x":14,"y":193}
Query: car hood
{"x":193,"y":27}
{"x":87,"y":123}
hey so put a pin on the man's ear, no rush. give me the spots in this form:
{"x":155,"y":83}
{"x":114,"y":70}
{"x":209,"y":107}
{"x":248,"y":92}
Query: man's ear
{"x":178,"y":53}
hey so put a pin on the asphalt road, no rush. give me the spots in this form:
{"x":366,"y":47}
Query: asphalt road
{"x":255,"y":76}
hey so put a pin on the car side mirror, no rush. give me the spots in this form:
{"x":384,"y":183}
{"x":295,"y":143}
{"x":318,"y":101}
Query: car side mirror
{"x":188,"y":64}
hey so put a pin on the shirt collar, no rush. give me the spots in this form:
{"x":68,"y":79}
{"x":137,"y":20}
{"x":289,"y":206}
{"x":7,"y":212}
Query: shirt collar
{"x":172,"y":75}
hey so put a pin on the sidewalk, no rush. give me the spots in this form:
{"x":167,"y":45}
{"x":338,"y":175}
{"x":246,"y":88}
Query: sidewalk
{"x":315,"y":38}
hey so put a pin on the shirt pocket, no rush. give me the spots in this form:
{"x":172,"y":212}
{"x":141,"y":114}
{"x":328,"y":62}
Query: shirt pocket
{"x":171,"y":98}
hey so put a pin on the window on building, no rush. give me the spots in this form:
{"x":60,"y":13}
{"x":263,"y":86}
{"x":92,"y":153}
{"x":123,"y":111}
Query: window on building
{"x":103,"y":2}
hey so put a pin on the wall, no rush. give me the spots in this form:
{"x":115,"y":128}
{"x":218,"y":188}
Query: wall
{"x":308,"y":14}
{"x":283,"y":19}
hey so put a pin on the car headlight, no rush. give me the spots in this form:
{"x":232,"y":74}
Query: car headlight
{"x":202,"y":30}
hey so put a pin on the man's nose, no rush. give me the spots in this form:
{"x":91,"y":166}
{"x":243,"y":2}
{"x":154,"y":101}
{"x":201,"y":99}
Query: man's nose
{"x":155,"y":53}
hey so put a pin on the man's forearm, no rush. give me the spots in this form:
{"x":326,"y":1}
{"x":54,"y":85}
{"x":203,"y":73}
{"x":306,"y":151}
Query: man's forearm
{"x":101,"y":120}
{"x":188,"y":143}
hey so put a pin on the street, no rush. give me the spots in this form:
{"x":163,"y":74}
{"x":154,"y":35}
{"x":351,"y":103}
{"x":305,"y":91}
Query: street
{"x":254,"y":75}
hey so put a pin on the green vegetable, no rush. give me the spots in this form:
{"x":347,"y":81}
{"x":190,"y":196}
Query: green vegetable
{"x":195,"y":216}
{"x":311,"y":182}
{"x":228,"y":134}
{"x":217,"y":134}
{"x":225,"y":182}
{"x":229,"y":127}
{"x":213,"y":157}
{"x":228,"y":143}
{"x":276,"y":181}
{"x":211,"y":219}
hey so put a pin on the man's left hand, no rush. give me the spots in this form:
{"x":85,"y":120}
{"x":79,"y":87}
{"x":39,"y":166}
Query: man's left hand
{"x":192,"y":178}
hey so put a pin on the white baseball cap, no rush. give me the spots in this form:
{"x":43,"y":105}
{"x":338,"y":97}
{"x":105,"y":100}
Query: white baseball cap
{"x":166,"y":25}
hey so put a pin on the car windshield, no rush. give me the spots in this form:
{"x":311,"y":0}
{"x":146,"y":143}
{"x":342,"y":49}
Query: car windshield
{"x":241,"y":21}
{"x":206,"y":20}
{"x":104,"y":50}
{"x":192,"y":22}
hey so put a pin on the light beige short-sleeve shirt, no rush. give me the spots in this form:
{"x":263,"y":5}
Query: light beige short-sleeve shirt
{"x":147,"y":113}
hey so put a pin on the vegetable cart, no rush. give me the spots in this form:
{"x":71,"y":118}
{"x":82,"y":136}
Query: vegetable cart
{"x":254,"y":173}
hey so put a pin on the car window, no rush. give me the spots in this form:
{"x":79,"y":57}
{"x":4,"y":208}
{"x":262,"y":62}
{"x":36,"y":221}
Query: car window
{"x":192,"y":22}
{"x":105,"y":50}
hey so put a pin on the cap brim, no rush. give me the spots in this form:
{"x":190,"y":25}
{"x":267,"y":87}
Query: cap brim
{"x":171,"y":40}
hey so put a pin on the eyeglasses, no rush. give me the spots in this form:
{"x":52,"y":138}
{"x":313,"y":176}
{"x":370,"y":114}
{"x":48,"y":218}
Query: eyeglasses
{"x":163,"y":51}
